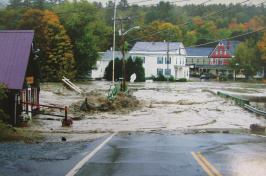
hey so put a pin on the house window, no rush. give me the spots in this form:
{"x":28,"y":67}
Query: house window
{"x":225,"y":52}
{"x":192,"y":61}
{"x":176,"y":61}
{"x":216,"y":51}
{"x":180,"y":60}
{"x":142,"y":58}
{"x":203,"y":61}
{"x":166,"y":60}
{"x":159,"y":60}
{"x":159,"y":71}
{"x":197,"y":61}
{"x":221,"y":52}
{"x":167,"y":73}
{"x":217,"y":62}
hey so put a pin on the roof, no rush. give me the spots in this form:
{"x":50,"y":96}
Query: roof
{"x":108,"y":55}
{"x":15,"y":47}
{"x":156,"y":46}
{"x":199,"y":51}
{"x":232,"y":47}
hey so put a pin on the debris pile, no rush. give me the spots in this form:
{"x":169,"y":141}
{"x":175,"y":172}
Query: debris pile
{"x":98,"y":102}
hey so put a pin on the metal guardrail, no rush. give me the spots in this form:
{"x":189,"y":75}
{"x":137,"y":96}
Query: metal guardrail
{"x":240,"y":101}
{"x":243,"y":102}
{"x":257,"y":111}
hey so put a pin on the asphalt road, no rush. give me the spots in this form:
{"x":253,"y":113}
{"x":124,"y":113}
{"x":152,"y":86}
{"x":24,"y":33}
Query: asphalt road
{"x":177,"y":154}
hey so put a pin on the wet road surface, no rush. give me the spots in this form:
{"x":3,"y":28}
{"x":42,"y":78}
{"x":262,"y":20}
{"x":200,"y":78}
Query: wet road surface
{"x":179,"y":154}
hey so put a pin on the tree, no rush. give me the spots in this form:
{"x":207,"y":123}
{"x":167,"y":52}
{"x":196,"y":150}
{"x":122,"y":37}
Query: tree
{"x":3,"y":95}
{"x":248,"y":58}
{"x":88,"y":33}
{"x":139,"y":70}
{"x":163,"y":31}
{"x":56,"y":49}
{"x":262,"y":47}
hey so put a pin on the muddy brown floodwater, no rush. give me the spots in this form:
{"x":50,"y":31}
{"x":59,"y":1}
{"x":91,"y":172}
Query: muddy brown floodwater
{"x":153,"y":107}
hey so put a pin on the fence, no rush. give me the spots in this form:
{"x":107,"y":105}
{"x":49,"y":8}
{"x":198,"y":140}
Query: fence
{"x":48,"y":106}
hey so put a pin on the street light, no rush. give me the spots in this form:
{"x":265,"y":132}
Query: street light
{"x":235,"y":71}
{"x":123,"y":52}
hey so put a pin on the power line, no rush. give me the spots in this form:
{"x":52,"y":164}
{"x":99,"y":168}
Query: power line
{"x":248,"y":33}
{"x":199,"y":18}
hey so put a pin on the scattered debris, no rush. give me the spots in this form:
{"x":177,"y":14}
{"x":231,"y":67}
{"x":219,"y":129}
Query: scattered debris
{"x":257,"y":128}
{"x":63,"y":138}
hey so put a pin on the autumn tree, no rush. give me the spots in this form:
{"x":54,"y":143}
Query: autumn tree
{"x":56,"y":49}
{"x":160,"y":31}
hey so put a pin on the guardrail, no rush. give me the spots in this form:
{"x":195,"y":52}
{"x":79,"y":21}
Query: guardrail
{"x":240,"y":101}
{"x":243,"y":102}
{"x":257,"y":111}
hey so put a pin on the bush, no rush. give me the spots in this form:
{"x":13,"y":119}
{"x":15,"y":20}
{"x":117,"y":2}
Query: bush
{"x":172,"y":78}
{"x":182,"y":80}
{"x":161,"y":78}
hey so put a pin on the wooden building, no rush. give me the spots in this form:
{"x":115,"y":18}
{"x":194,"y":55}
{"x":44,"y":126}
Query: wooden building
{"x":20,"y":71}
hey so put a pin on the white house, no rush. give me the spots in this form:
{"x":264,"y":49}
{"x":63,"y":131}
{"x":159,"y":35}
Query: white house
{"x":103,"y":62}
{"x":154,"y":56}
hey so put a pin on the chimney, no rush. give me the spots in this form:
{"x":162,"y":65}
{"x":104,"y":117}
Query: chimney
{"x":228,"y":44}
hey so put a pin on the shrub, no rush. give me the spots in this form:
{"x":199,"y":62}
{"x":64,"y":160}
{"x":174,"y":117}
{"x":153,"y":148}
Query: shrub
{"x":182,"y":80}
{"x":172,"y":78}
{"x":161,"y":78}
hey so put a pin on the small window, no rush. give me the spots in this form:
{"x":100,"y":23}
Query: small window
{"x":192,"y":61}
{"x":225,"y":52}
{"x":203,"y":61}
{"x":166,"y":60}
{"x":167,"y":73}
{"x":221,"y":52}
{"x":176,"y":61}
{"x":159,"y":60}
{"x":197,"y":61}
{"x":159,"y":71}
{"x":216,"y":51}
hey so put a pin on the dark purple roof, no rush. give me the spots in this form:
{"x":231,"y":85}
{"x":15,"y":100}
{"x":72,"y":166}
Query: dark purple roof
{"x":15,"y":48}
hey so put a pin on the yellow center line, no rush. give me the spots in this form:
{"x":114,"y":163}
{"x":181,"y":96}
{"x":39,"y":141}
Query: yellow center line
{"x":202,"y":164}
{"x":208,"y":164}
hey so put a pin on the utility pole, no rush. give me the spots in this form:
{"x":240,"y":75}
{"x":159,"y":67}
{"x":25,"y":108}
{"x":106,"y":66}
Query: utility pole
{"x":114,"y":48}
{"x":168,"y":61}
{"x":123,"y":52}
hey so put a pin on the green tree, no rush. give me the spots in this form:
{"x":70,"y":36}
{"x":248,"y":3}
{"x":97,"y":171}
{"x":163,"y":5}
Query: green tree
{"x":88,"y":33}
{"x":247,"y":59}
{"x":139,"y":70}
{"x":3,"y":95}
